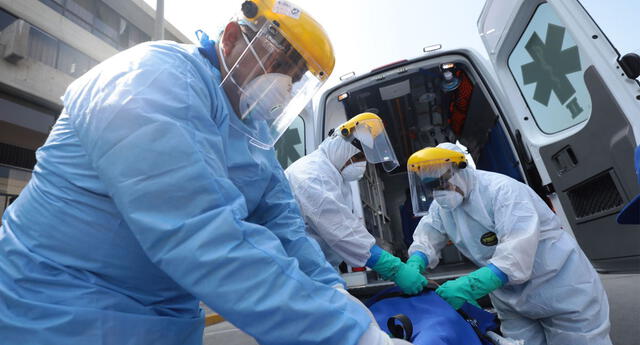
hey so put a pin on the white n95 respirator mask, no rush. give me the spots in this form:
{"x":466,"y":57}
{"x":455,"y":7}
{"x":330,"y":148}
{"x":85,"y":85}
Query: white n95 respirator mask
{"x":447,"y":199}
{"x":354,"y":171}
{"x":266,"y":96}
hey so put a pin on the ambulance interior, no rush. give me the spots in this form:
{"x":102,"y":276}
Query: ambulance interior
{"x":421,"y":105}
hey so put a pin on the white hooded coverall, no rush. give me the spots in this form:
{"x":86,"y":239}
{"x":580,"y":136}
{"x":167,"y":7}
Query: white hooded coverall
{"x":554,"y":295}
{"x":326,"y":203}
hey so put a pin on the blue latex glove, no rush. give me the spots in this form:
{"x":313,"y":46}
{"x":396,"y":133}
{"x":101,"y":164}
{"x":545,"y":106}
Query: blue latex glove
{"x":390,"y":267}
{"x":472,"y":286}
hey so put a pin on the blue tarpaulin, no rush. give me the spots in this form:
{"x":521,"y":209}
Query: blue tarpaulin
{"x":433,"y":321}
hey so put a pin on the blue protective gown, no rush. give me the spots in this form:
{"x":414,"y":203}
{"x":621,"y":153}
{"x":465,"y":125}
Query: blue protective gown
{"x":143,"y":202}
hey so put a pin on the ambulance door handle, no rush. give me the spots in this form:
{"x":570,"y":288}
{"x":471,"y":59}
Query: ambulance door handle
{"x":564,"y":160}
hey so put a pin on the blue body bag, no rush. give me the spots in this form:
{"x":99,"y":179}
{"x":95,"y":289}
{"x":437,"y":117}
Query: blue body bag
{"x":426,"y":319}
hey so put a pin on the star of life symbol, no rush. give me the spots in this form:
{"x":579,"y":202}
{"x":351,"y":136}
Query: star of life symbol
{"x":550,"y":67}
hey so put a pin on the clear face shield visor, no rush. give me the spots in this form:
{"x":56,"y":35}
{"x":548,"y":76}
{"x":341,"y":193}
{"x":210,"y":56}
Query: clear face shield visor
{"x":271,"y":83}
{"x":370,"y":136}
{"x":425,"y":179}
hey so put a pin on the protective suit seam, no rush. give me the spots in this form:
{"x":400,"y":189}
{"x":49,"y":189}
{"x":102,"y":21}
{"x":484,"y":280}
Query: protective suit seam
{"x":189,"y":115}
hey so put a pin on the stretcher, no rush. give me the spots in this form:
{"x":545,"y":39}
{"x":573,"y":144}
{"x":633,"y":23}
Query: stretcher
{"x":426,"y":319}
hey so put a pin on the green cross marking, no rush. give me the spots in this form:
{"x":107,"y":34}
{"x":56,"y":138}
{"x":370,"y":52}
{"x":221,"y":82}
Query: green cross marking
{"x":551,"y":65}
{"x":285,"y":146}
{"x":574,"y":107}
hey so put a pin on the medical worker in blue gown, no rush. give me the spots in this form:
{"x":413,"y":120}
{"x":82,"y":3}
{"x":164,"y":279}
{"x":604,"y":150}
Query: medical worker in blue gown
{"x":158,"y":188}
{"x":542,"y":285}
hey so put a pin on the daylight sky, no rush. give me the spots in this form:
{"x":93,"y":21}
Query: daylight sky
{"x":365,"y":33}
{"x":370,"y":33}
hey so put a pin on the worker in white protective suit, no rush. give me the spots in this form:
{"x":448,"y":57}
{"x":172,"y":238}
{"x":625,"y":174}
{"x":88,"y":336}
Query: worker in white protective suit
{"x":542,"y":285}
{"x":321,"y":184}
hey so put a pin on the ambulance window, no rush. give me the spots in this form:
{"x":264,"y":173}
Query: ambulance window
{"x":548,"y":68}
{"x":291,"y":146}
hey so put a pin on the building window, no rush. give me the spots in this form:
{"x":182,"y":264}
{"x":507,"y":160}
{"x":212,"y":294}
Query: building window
{"x":42,"y":47}
{"x":17,"y":156}
{"x":106,"y":38}
{"x":84,"y":9}
{"x":6,"y":19}
{"x":137,"y":36}
{"x":57,"y":54}
{"x":51,"y":51}
{"x":101,"y":20}
{"x":56,"y":5}
{"x":72,"y":61}
{"x":107,"y":21}
{"x":124,"y":31}
{"x":77,"y":20}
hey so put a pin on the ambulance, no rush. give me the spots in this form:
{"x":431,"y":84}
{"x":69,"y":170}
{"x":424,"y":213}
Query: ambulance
{"x":554,"y":105}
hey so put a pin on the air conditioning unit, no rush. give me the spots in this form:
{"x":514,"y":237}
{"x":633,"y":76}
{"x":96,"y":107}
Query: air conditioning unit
{"x":15,"y":41}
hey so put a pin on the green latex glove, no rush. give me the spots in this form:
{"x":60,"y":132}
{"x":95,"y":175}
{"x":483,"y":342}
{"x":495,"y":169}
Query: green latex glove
{"x":407,"y":278}
{"x":410,"y":280}
{"x":470,"y":287}
{"x":417,"y":261}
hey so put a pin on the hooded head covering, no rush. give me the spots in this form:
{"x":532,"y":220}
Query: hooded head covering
{"x":464,"y":178}
{"x":338,"y":150}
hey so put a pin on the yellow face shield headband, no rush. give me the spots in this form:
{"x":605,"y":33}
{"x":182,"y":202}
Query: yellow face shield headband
{"x":366,"y":132}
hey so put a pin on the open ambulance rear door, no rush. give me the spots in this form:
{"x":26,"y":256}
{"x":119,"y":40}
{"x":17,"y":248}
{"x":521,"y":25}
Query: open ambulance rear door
{"x":575,"y":113}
